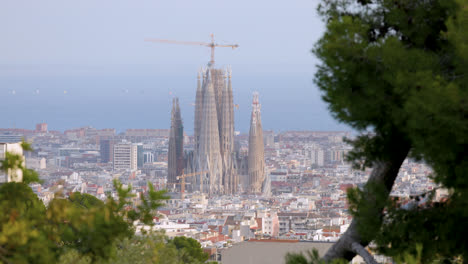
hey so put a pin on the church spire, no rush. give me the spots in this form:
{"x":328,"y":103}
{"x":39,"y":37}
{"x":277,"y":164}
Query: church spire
{"x":214,"y":133}
{"x":256,"y":158}
{"x":198,"y":109}
{"x":176,"y":144}
{"x":209,"y":154}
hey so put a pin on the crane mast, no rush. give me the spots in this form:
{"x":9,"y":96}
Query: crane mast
{"x":182,"y":181}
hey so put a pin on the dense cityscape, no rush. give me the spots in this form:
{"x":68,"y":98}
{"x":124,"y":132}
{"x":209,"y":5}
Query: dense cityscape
{"x":304,"y":184}
{"x":326,"y":131}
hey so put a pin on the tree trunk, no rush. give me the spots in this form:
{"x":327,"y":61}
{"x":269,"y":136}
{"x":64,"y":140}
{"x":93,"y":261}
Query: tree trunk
{"x":384,"y":173}
{"x":361,"y":251}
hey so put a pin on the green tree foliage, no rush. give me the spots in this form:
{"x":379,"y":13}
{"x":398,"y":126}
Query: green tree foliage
{"x":78,"y":229}
{"x":151,"y":248}
{"x":397,"y":70}
{"x":157,"y":248}
{"x":23,"y":236}
{"x":190,"y":248}
{"x":84,"y":200}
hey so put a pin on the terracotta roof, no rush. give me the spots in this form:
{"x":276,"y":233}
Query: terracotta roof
{"x":166,"y":212}
{"x":216,"y":238}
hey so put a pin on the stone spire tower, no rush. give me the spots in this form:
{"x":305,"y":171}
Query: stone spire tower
{"x":209,"y":152}
{"x":175,"y":164}
{"x":218,"y":81}
{"x":256,"y":158}
{"x":227,"y":138}
{"x":214,"y":134}
{"x":198,"y":109}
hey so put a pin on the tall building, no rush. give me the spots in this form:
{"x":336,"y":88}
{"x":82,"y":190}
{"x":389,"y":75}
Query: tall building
{"x":256,"y":158}
{"x":140,"y":156}
{"x":41,"y":128}
{"x":175,"y":158}
{"x":106,"y":147}
{"x":125,"y":156}
{"x":148,"y":157}
{"x":214,"y":134}
{"x":318,"y":157}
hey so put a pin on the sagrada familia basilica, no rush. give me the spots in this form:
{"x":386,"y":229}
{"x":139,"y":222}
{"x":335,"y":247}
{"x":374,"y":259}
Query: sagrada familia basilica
{"x":217,"y":167}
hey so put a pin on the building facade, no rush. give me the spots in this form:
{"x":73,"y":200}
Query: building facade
{"x":125,"y":156}
{"x":15,"y":175}
{"x":41,"y":128}
{"x":270,"y":224}
{"x":106,"y":148}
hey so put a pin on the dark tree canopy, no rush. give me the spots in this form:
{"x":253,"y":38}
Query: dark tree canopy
{"x":84,"y":200}
{"x":397,"y":71}
{"x":191,"y":247}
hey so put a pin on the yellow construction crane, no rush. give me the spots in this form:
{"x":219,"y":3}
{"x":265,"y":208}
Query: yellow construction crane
{"x":211,"y":45}
{"x":182,"y":181}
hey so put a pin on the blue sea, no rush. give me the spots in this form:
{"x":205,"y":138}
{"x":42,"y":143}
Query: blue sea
{"x":289,"y":102}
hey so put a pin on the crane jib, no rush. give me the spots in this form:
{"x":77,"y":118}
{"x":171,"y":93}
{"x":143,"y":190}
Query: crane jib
{"x":212,"y":45}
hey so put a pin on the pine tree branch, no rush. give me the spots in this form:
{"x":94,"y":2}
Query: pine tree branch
{"x":3,"y":252}
{"x":384,"y":174}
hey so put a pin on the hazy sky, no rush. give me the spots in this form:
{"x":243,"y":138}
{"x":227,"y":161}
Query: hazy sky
{"x":73,"y":63}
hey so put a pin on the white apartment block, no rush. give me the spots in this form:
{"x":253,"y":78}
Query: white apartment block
{"x":12,"y":175}
{"x":317,"y":156}
{"x":125,"y":156}
{"x":270,"y":224}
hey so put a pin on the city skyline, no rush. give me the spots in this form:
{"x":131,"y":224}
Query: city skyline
{"x":314,"y":131}
{"x":73,"y":75}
